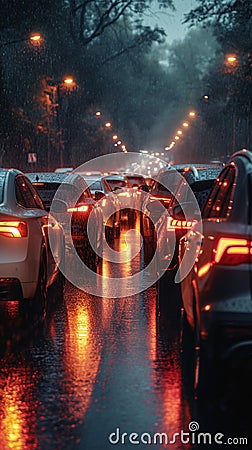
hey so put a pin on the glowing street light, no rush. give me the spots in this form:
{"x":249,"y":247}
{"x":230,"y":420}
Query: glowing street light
{"x":68,"y":80}
{"x":185,"y":124}
{"x":108,"y":124}
{"x":176,"y":138}
{"x":192,"y":114}
{"x":231,"y":59}
{"x":98,"y":113}
{"x":179,"y":132}
{"x":114,"y":137}
{"x":34,"y":38}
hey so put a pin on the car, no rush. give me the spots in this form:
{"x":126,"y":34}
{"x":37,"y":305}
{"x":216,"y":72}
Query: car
{"x":138,"y":183}
{"x":102,"y":191}
{"x":170,"y":187}
{"x":215,"y":270}
{"x":27,"y":261}
{"x":135,"y":180}
{"x":64,"y":170}
{"x":125,"y":196}
{"x":74,"y":191}
{"x":185,"y":210}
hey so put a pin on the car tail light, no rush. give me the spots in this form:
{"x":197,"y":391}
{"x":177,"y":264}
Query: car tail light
{"x":233,"y":251}
{"x":179,"y":224}
{"x":161,"y":199}
{"x":80,"y":209}
{"x":13,"y":229}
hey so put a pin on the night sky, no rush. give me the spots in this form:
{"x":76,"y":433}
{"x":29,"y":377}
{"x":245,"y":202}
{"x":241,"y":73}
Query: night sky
{"x":172,"y":21}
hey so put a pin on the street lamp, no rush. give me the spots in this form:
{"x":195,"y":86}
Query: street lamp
{"x":34,"y":38}
{"x":231,"y":59}
{"x":192,"y":114}
{"x":55,"y":97}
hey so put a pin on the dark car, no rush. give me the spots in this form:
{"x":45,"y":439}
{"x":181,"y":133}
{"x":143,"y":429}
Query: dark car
{"x":216,"y":269}
{"x":73,"y":190}
{"x":125,"y":195}
{"x":169,"y":188}
{"x":102,"y":191}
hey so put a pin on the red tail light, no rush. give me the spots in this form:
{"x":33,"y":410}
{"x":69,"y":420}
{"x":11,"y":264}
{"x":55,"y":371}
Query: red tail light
{"x":13,"y":229}
{"x":179,"y":224}
{"x":232,"y":251}
{"x":161,"y":199}
{"x":80,"y":209}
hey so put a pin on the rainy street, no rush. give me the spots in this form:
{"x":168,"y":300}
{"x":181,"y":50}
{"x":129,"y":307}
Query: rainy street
{"x":97,"y":373}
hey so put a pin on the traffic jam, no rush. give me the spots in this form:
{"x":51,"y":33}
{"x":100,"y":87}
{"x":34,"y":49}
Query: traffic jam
{"x":186,"y":318}
{"x":125,"y":224}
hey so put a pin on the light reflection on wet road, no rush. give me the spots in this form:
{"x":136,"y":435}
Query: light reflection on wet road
{"x":96,"y":365}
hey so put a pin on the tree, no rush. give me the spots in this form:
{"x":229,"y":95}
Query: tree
{"x":231,"y":22}
{"x":73,"y":31}
{"x":90,"y":18}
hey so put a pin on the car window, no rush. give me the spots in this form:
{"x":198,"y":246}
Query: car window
{"x":86,"y":193}
{"x":117,"y":183}
{"x":2,"y":180}
{"x":47,"y":191}
{"x":219,"y":203}
{"x":168,"y":182}
{"x":96,"y":186}
{"x":26,"y":194}
{"x":135,"y":180}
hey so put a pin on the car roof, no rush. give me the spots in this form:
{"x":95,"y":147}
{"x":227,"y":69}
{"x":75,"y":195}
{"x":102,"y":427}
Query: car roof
{"x":15,"y":171}
{"x":47,"y":177}
{"x":242,"y":153}
{"x":115,"y":177}
{"x":52,"y":177}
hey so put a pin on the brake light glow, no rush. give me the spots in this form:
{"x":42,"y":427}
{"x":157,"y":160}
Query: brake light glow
{"x":81,"y":208}
{"x":13,"y":229}
{"x":233,"y":251}
{"x":179,"y":224}
{"x":164,"y":199}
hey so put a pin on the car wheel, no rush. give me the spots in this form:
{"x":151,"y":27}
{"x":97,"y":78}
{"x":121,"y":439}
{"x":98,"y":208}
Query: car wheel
{"x":41,"y":291}
{"x":204,"y":368}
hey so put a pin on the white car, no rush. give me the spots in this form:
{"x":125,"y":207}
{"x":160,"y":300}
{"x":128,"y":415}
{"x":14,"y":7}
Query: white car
{"x":28,"y":265}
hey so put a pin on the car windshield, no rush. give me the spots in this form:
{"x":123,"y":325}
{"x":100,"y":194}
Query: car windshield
{"x":47,"y":191}
{"x":135,"y":181}
{"x":117,"y":183}
{"x":2,"y":180}
{"x":167,"y":183}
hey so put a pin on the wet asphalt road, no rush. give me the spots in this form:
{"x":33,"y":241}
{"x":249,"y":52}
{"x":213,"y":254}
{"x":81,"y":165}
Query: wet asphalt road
{"x":100,"y":367}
